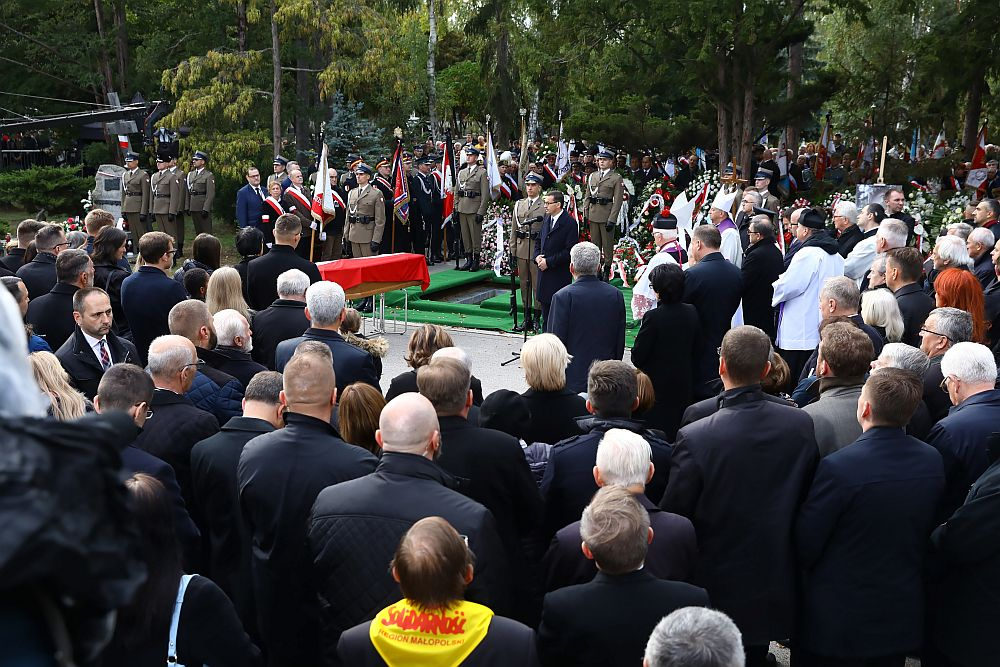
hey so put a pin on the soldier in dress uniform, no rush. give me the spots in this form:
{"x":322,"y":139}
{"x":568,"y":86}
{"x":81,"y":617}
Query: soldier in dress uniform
{"x":135,"y":197}
{"x":528,"y":214}
{"x":181,"y":179}
{"x":762,"y":184}
{"x":279,"y":170}
{"x":425,"y":199}
{"x":201,"y":191}
{"x":472,"y":198}
{"x":332,"y":245}
{"x":383,"y":181}
{"x":602,"y":202}
{"x":347,"y":180}
{"x":365,"y":215}
{"x":168,"y":197}
{"x":399,"y":236}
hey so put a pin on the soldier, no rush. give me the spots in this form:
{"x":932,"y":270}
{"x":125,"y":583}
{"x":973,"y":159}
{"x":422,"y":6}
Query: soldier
{"x":400,"y":236}
{"x":383,"y":181}
{"x":425,"y":205}
{"x":168,"y":197}
{"x":279,"y":170}
{"x":602,"y":202}
{"x":472,"y":197}
{"x":365,"y":215}
{"x":347,"y":181}
{"x":185,"y":196}
{"x":762,"y":182}
{"x":201,"y":191}
{"x":135,"y":197}
{"x":333,"y":244}
{"x":528,"y":214}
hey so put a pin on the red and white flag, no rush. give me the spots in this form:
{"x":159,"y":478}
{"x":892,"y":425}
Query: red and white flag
{"x":447,"y":181}
{"x":323,"y":206}
{"x":123,"y":141}
{"x":939,"y":145}
{"x":977,"y":172}
{"x":822,"y":152}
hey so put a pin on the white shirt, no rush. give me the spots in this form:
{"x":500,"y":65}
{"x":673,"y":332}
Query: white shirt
{"x":95,"y":345}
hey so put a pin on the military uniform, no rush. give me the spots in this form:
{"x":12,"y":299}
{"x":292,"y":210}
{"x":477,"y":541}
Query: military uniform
{"x":181,"y":179}
{"x":365,"y":219}
{"x":602,"y":203}
{"x":201,"y":192}
{"x":168,"y":198}
{"x":135,"y":200}
{"x":472,"y":198}
{"x":528,"y":215}
{"x":280,"y":175}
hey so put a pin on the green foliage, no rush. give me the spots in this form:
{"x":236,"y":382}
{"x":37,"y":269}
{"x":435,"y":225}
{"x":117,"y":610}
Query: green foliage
{"x":51,"y":188}
{"x":97,"y":153}
{"x":348,"y":131}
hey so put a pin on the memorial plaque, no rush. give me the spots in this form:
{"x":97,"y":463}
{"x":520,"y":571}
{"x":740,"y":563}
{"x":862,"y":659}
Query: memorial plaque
{"x":107,"y":192}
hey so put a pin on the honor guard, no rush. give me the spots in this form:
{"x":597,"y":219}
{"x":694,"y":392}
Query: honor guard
{"x":602,"y":202}
{"x":201,"y":191}
{"x":135,"y":197}
{"x":426,"y":198}
{"x":181,"y":179}
{"x":528,"y":215}
{"x":473,"y":196}
{"x":365,"y":215}
{"x":762,"y":183}
{"x":168,"y":197}
{"x":383,"y":181}
{"x":279,"y":170}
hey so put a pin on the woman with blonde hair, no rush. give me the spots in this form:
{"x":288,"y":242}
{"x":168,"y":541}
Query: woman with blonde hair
{"x":424,"y":342}
{"x":66,"y":402}
{"x":880,"y":311}
{"x":553,"y":407}
{"x":225,"y":292}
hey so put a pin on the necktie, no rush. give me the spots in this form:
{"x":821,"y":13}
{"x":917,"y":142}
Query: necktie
{"x":259,"y":194}
{"x":105,"y":357}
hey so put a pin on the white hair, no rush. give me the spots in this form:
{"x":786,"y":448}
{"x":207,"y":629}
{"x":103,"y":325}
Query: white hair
{"x":952,"y":251}
{"x":848,"y":209}
{"x":960,"y":229}
{"x":894,"y":232}
{"x":970,"y":362}
{"x":292,"y":282}
{"x":905,"y":357}
{"x":695,"y":636}
{"x":879,"y":308}
{"x":623,"y":458}
{"x":585,"y":258}
{"x":982,"y":236}
{"x":169,"y":361}
{"x":456,"y":353}
{"x":325,"y":301}
{"x":228,"y":325}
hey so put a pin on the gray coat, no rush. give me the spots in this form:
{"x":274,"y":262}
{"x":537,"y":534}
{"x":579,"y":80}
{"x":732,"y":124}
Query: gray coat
{"x":835,"y":414}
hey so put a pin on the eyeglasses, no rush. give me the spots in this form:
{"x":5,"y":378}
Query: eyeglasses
{"x":59,"y":245}
{"x":934,"y":333}
{"x":196,"y":364}
{"x":944,"y":384}
{"x":170,"y":252}
{"x":149,"y":411}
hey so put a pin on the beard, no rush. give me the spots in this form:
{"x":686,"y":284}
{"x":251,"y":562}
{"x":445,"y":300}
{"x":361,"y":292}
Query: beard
{"x":248,"y":345}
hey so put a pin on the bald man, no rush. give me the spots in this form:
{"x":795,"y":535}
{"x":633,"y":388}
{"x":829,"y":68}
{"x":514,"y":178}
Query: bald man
{"x":356,"y":526}
{"x":279,"y":476}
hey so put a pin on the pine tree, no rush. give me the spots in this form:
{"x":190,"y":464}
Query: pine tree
{"x":348,"y":131}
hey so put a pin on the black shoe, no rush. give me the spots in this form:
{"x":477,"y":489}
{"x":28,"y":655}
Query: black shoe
{"x":437,"y":258}
{"x":474,"y":264}
{"x":468,"y":263}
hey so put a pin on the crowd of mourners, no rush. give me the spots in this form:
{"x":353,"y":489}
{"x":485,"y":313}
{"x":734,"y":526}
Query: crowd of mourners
{"x":201,"y":466}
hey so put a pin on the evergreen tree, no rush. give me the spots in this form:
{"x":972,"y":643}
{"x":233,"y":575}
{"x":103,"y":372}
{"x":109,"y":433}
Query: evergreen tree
{"x":348,"y":131}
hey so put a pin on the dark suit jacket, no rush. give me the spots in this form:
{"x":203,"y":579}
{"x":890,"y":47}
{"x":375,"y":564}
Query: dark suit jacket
{"x":938,"y":402}
{"x":762,"y":264}
{"x":39,"y":275}
{"x":81,"y":363}
{"x":555,"y":244}
{"x":714,"y":287}
{"x":249,"y":206}
{"x":710,"y":406}
{"x":233,"y":361}
{"x":915,"y":305}
{"x":848,"y":239}
{"x":740,"y":476}
{"x":283,"y":319}
{"x":861,"y":536}
{"x":607,"y":622}
{"x":573,"y":309}
{"x":553,"y":415}
{"x":263,"y":272}
{"x":406,"y":382}
{"x":51,"y":315}
{"x":350,"y":363}
{"x":14,"y":259}
{"x":147,"y":297}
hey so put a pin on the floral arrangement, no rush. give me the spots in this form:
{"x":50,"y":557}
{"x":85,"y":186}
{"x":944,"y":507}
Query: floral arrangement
{"x":953,"y":210}
{"x":801,"y":202}
{"x":488,"y":258}
{"x":72,"y":224}
{"x":705,"y":178}
{"x":628,"y":256}
{"x":836,"y":197}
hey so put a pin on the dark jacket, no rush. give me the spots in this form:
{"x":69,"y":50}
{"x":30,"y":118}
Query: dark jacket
{"x":80,"y":361}
{"x":51,"y":315}
{"x":672,"y":554}
{"x":406,"y":382}
{"x":216,"y":392}
{"x":915,"y":306}
{"x":147,"y":297}
{"x":938,"y":402}
{"x":109,"y":277}
{"x":39,"y":275}
{"x":280,"y":474}
{"x":356,"y":526}
{"x":553,"y":415}
{"x":263,"y":272}
{"x":14,"y":259}
{"x":710,"y":406}
{"x":350,"y":364}
{"x":982,"y":268}
{"x":572,"y":312}
{"x":746,"y":557}
{"x":249,"y":206}
{"x":555,"y":244}
{"x":568,"y":484}
{"x":666,"y":349}
{"x":283,"y":319}
{"x":762,"y":264}
{"x":213,"y":478}
{"x":714,"y":287}
{"x":861,"y":536}
{"x":848,"y":239}
{"x":583,"y":625}
{"x":233,"y":361}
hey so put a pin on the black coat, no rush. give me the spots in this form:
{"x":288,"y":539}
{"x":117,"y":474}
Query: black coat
{"x":51,"y":315}
{"x":915,"y":305}
{"x":147,"y":297}
{"x":80,"y":361}
{"x":356,"y":526}
{"x":109,"y":277}
{"x":406,"y":382}
{"x":555,"y":245}
{"x":233,"y":361}
{"x":350,"y":363}
{"x":666,"y":349}
{"x":263,"y":272}
{"x":740,"y":476}
{"x":982,"y":268}
{"x":573,"y":310}
{"x":714,"y":287}
{"x":213,"y":478}
{"x":607,"y":622}
{"x":710,"y":406}
{"x":39,"y":275}
{"x":568,"y":484}
{"x":848,"y":239}
{"x":553,"y":415}
{"x":14,"y":259}
{"x":938,"y":402}
{"x":280,"y":474}
{"x":762,"y":264}
{"x":861,"y":536}
{"x":283,"y":319}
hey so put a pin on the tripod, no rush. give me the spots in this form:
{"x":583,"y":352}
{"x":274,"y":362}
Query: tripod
{"x":513,"y":307}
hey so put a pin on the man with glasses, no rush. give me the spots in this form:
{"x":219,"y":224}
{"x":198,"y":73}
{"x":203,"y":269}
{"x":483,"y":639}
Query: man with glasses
{"x":250,"y":200}
{"x":943,"y":328}
{"x":39,"y":275}
{"x":263,"y":271}
{"x":149,"y":293}
{"x":748,"y":202}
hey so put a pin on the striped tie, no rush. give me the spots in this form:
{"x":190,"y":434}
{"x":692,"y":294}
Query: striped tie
{"x":105,"y":357}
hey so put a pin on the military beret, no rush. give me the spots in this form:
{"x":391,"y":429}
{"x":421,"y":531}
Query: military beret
{"x":668,"y":221}
{"x":199,"y":155}
{"x":363,"y":168}
{"x":812,"y":219}
{"x":764,"y":173}
{"x":130,"y":156}
{"x":280,"y":160}
{"x":533,"y":178}
{"x":606,"y":154}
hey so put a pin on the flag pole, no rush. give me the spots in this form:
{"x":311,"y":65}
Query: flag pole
{"x":881,"y":168}
{"x":312,"y":234}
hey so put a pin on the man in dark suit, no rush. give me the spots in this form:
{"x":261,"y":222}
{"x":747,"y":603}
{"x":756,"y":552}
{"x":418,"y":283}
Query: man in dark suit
{"x":234,"y":340}
{"x":746,"y":557}
{"x":39,"y":275}
{"x":582,"y":625}
{"x":575,"y":308}
{"x":213,"y":477}
{"x":625,"y":459}
{"x":26,"y":231}
{"x":250,"y":200}
{"x":93,"y":347}
{"x":714,"y":287}
{"x":762,"y":264}
{"x":263,"y":272}
{"x":427,"y":197}
{"x":149,"y":293}
{"x":51,"y":315}
{"x":285,"y":318}
{"x":943,"y":328}
{"x":325,"y":303}
{"x":903,"y":268}
{"x":861,"y":535}
{"x":559,"y":234}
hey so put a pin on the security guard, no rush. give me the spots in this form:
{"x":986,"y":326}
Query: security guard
{"x":181,"y":178}
{"x":201,"y":188}
{"x":135,"y":197}
{"x":528,"y":214}
{"x":167,"y":196}
{"x":473,"y":196}
{"x":365,"y":215}
{"x":602,"y":202}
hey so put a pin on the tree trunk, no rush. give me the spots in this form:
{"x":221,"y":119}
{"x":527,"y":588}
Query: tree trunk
{"x":794,"y":80}
{"x":105,"y":65}
{"x":276,"y":81}
{"x":973,"y":109}
{"x":722,"y":119}
{"x":241,"y":25}
{"x":432,"y":117}
{"x":302,"y":142}
{"x":121,"y":45}
{"x":746,"y":138}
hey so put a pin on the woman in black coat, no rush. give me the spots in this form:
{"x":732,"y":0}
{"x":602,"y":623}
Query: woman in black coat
{"x":554,"y":408}
{"x":109,"y":248}
{"x":665,"y":348}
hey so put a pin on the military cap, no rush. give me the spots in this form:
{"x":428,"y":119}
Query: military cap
{"x":812,"y":219}
{"x":668,"y":221}
{"x":200,"y":155}
{"x":764,"y":173}
{"x":606,"y":154}
{"x":130,"y":156}
{"x":728,"y":170}
{"x":162,"y":158}
{"x":383,"y":162}
{"x":407,"y":157}
{"x":472,"y":150}
{"x":363,"y":168}
{"x":533,"y":178}
{"x":428,"y":159}
{"x":550,"y":154}
{"x":280,"y":160}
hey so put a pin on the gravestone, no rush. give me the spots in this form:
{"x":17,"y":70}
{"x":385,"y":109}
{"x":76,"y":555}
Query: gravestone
{"x":107,"y":192}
